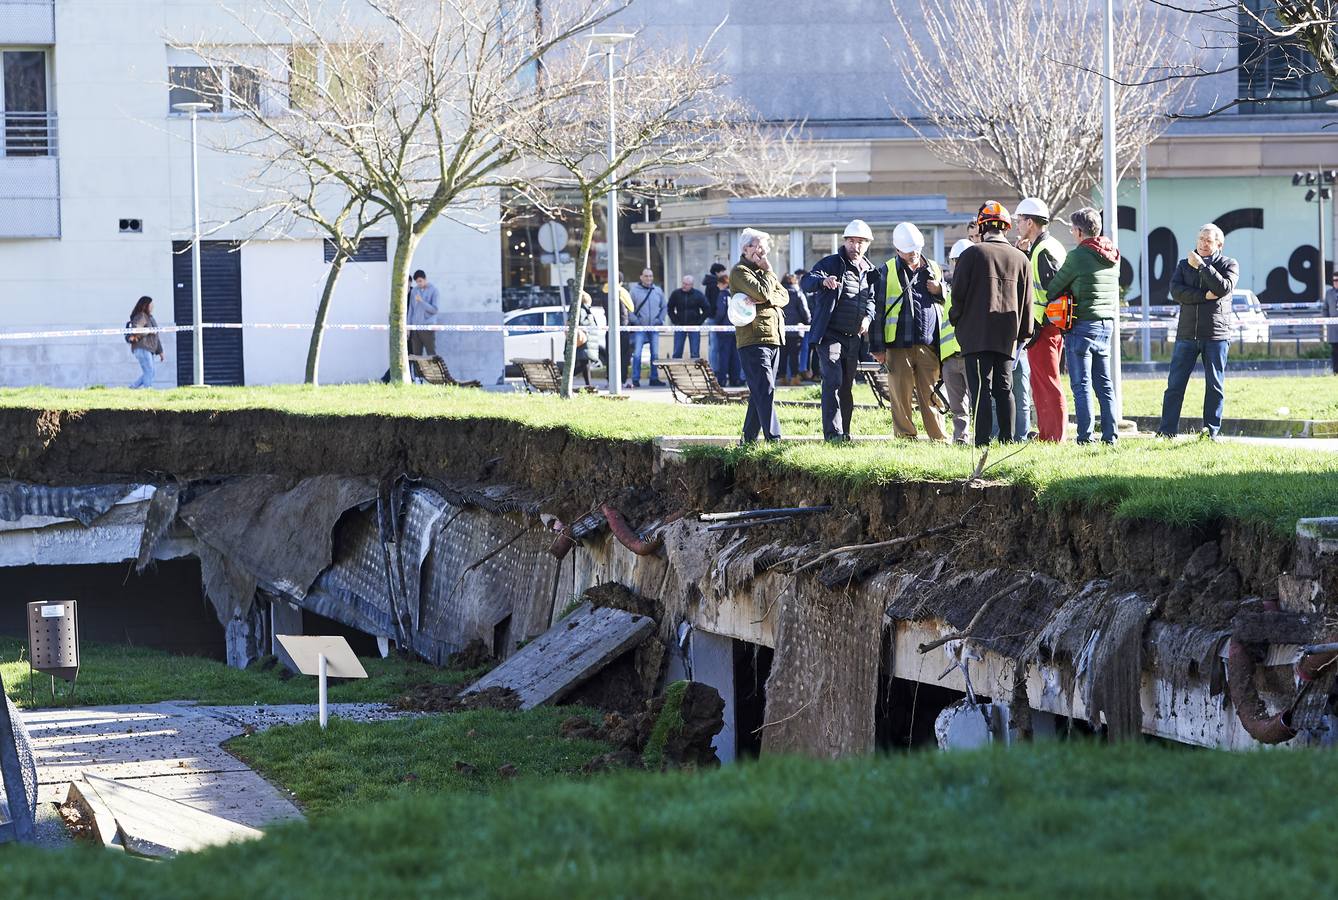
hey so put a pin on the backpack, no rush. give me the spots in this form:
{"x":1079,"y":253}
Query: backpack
{"x":1060,"y":312}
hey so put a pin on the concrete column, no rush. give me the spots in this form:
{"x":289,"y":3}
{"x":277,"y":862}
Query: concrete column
{"x":713,"y":663}
{"x":797,"y":258}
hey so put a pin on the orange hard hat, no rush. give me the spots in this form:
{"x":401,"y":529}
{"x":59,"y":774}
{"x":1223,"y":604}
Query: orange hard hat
{"x":993,"y":211}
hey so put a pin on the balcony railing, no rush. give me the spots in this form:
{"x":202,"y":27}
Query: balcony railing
{"x":27,"y":22}
{"x":28,"y":134}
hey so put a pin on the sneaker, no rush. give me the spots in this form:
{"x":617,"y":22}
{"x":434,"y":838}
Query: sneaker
{"x":1207,"y":434}
{"x":657,"y":384}
{"x":627,"y":385}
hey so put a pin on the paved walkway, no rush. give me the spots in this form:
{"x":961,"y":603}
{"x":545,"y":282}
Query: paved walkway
{"x":173,"y":750}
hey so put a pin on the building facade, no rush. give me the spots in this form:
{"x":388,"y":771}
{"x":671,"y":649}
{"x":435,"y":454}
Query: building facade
{"x":95,"y":211}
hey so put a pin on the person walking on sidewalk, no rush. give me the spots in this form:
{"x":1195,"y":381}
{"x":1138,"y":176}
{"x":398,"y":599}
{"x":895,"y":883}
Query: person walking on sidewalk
{"x":648,"y":309}
{"x":759,"y":339}
{"x":953,"y":364}
{"x":1331,"y":312}
{"x":1091,"y":273}
{"x":144,"y":347}
{"x":1047,"y":254}
{"x":844,"y":287}
{"x":423,"y":300}
{"x":991,"y":312}
{"x":1202,"y":286}
{"x":906,"y":337}
{"x":688,"y":307}
{"x":796,"y":314}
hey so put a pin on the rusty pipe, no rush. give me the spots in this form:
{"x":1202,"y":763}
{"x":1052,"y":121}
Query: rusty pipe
{"x":1250,"y":709}
{"x":1315,"y":659}
{"x":625,"y":535}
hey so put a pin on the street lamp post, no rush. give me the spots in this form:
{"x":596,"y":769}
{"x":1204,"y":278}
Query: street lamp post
{"x":836,"y":241}
{"x":1319,"y":187}
{"x":197,"y":303}
{"x":1109,"y":179}
{"x":610,"y":41}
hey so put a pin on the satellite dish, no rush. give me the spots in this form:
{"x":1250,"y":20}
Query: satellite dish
{"x":552,"y":236}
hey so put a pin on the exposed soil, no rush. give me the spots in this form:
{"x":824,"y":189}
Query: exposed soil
{"x":447,"y":698}
{"x":698,"y":718}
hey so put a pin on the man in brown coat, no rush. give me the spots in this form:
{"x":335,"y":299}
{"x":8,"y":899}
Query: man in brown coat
{"x":991,"y":311}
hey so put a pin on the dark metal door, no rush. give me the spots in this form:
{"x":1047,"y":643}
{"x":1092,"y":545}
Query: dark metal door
{"x":221,"y":300}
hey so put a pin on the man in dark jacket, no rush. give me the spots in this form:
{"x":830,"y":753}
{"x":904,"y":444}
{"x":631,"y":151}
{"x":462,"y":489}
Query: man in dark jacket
{"x":843,"y":287}
{"x":796,"y":314}
{"x":688,"y":306}
{"x":1091,"y":273}
{"x":1202,"y":285}
{"x":991,"y":312}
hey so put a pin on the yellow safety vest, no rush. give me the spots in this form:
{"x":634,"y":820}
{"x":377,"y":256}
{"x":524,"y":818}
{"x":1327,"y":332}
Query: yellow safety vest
{"x":894,"y":291}
{"x":1049,"y":244}
{"x":947,"y":332}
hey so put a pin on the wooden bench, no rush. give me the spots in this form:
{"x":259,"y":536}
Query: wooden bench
{"x":693,"y":381}
{"x":544,"y":376}
{"x":876,"y":377}
{"x":432,"y":369}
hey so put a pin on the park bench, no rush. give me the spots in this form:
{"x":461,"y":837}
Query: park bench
{"x":875,"y":376}
{"x":432,"y":369}
{"x":544,"y":376}
{"x":693,"y":381}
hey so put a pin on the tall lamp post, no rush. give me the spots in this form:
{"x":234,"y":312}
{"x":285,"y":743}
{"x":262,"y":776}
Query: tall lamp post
{"x":836,"y":240}
{"x":1319,"y":187}
{"x":196,"y":303}
{"x":1109,"y":180}
{"x":610,"y":41}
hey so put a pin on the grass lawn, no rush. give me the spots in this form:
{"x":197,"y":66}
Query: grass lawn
{"x":1051,"y":820}
{"x":113,"y":674}
{"x":1182,"y":483}
{"x":355,"y":763}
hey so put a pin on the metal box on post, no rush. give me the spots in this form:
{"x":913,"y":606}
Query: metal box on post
{"x":53,"y":638}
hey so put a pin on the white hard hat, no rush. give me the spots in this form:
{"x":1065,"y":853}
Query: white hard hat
{"x":1031,"y":206}
{"x":958,"y":248}
{"x":742,"y":310}
{"x":907,"y":238}
{"x":858,"y":228}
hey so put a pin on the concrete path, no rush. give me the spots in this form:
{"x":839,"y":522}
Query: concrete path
{"x":173,"y":750}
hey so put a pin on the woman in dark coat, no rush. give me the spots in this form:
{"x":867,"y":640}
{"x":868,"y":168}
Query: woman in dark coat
{"x":144,"y":346}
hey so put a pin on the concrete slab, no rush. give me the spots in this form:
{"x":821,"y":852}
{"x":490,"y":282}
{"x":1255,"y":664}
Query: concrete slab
{"x":150,"y":825}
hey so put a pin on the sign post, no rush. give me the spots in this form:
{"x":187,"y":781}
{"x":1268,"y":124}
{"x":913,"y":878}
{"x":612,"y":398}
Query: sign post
{"x":323,"y":657}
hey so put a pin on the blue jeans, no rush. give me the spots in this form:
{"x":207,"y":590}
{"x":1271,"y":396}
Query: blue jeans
{"x":805,"y":350}
{"x":1087,"y":348}
{"x":639,"y":340}
{"x":146,"y":368}
{"x":725,"y":359}
{"x":761,"y":361}
{"x":1183,"y":358}
{"x":694,"y":342}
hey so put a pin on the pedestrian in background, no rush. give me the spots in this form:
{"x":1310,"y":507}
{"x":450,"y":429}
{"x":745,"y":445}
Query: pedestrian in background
{"x":648,"y":309}
{"x":144,"y":347}
{"x":991,"y":312}
{"x":905,"y":338}
{"x":759,"y":340}
{"x":1047,"y":254}
{"x":1331,"y":312}
{"x":1202,"y":286}
{"x":796,"y":314}
{"x":953,"y":364}
{"x":422,"y":311}
{"x":806,"y":366}
{"x":727,"y":365}
{"x":844,"y":288}
{"x":688,"y":307}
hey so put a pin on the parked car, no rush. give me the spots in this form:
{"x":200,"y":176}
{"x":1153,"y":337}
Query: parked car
{"x":1251,"y":325}
{"x":523,"y":340}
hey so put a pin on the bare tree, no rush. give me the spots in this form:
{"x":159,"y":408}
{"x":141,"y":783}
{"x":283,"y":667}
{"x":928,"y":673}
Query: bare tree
{"x":408,"y":106}
{"x":672,"y":121}
{"x":772,"y":160}
{"x":1005,"y":88}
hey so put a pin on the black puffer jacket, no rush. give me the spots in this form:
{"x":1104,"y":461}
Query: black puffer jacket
{"x":1202,"y":319}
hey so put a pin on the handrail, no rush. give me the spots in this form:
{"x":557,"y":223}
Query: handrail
{"x":28,"y":133}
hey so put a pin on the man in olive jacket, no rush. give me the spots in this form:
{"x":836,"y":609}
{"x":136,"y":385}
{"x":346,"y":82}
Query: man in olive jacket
{"x":1091,"y":273}
{"x":759,"y":341}
{"x":1202,"y":285}
{"x":991,"y":312}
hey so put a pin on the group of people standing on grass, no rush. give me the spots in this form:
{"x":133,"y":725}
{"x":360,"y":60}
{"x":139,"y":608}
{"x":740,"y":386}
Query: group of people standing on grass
{"x":984,"y":339}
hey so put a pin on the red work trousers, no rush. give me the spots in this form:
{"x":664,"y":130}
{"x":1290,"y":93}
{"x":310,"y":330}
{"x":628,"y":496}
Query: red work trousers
{"x":1046,"y":394}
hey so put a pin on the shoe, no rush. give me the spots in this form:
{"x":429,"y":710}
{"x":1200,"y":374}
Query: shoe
{"x":1164,"y":437}
{"x":627,"y":385}
{"x":657,"y":384}
{"x":1207,"y":434}
{"x":1033,"y":435}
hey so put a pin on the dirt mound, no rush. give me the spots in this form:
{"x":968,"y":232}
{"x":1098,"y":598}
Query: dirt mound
{"x":475,"y":655}
{"x":448,"y":698}
{"x":673,"y":731}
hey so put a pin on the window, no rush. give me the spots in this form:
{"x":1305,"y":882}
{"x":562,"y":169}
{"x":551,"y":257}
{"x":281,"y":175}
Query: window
{"x":224,"y":88}
{"x":371,"y":249}
{"x":339,"y":76}
{"x":531,"y":318}
{"x":1279,"y":73}
{"x":29,"y":129}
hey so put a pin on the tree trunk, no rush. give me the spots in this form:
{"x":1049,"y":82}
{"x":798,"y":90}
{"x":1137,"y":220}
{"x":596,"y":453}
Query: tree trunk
{"x":574,"y":309}
{"x":405,"y":244}
{"x":322,"y":313}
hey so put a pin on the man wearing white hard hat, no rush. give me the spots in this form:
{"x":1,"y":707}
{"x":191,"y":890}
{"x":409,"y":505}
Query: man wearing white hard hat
{"x":843,"y":288}
{"x":755,"y":306}
{"x":955,"y":389}
{"x":906,"y":339}
{"x":1047,"y":254}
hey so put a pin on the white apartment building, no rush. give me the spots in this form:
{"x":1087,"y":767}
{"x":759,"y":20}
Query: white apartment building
{"x":95,"y":211}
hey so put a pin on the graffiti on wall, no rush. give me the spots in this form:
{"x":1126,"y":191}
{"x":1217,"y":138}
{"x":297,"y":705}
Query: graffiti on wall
{"x":1268,"y":225}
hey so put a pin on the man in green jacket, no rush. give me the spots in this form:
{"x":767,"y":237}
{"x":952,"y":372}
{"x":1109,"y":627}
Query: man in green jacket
{"x":759,"y":341}
{"x":1091,"y":273}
